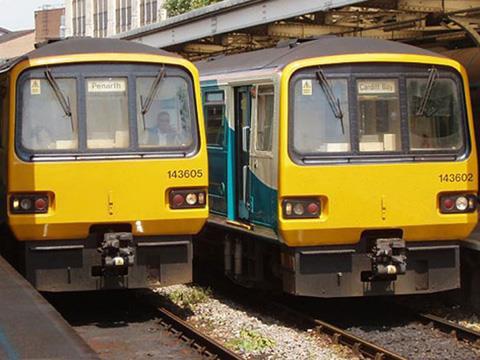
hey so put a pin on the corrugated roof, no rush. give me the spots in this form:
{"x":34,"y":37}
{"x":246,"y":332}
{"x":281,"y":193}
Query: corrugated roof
{"x":14,"y":35}
{"x":325,"y":46}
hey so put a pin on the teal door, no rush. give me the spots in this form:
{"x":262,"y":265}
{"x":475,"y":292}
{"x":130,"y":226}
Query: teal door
{"x":243,"y":113}
{"x":217,"y":130}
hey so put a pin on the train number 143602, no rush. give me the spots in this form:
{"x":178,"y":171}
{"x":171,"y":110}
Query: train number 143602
{"x":458,"y":177}
{"x":185,"y":174}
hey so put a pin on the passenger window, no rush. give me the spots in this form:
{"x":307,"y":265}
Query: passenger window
{"x":215,"y":117}
{"x":379,"y":115}
{"x":45,"y":123}
{"x":264,"y":118}
{"x":107,"y":113}
{"x":167,"y":122}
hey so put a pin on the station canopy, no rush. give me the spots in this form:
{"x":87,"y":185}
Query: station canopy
{"x":234,"y":26}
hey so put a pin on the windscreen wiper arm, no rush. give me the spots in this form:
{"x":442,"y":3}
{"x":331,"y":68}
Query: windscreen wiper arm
{"x":62,"y":99}
{"x":332,"y":100}
{"x":432,"y":77}
{"x":153,"y":91}
{"x":151,"y":94}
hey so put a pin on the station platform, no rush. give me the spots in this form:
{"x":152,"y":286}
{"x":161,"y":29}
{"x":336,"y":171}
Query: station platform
{"x":30,"y":328}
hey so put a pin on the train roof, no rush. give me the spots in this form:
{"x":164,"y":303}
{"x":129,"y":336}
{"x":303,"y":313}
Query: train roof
{"x":279,"y":57}
{"x":74,"y":46}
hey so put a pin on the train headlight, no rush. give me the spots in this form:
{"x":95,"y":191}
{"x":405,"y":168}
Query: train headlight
{"x":302,"y":208}
{"x":29,"y":203}
{"x":191,"y":199}
{"x":26,"y":204}
{"x":298,"y":209}
{"x":187,"y":198}
{"x":461,"y":203}
{"x":458,"y":203}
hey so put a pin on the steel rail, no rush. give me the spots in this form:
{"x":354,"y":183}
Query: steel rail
{"x":204,"y":344}
{"x":459,"y":331}
{"x":340,"y":336}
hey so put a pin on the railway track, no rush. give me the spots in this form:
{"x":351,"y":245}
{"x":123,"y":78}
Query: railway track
{"x":460,"y":332}
{"x":359,"y":346}
{"x":202,"y":343}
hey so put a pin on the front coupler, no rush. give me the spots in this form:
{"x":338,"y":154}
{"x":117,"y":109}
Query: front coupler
{"x":388,"y":258}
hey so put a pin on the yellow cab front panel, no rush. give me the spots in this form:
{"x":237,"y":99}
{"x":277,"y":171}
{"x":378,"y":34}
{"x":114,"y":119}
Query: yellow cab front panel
{"x":373,"y":191}
{"x":114,"y":219}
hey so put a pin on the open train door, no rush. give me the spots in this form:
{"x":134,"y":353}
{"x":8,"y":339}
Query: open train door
{"x":243,"y":112}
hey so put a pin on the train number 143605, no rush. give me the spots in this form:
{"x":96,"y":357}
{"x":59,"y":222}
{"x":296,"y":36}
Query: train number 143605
{"x":185,"y":174}
{"x":458,"y":177}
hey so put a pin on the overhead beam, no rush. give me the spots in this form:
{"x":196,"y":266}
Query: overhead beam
{"x":227,"y":16}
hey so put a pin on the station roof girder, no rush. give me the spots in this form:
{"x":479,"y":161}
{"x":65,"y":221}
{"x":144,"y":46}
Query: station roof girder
{"x":234,"y":26}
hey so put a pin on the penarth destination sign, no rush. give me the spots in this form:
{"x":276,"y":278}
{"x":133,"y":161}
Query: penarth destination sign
{"x":110,"y":85}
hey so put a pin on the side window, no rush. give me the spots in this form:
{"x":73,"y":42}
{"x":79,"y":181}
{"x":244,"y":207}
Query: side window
{"x":214,"y":110}
{"x":264,"y":118}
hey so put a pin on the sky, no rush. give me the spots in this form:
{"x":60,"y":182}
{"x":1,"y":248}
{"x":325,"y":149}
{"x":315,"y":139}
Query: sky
{"x":18,"y":14}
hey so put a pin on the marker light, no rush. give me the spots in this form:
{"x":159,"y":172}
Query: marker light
{"x":458,"y":203}
{"x":201,"y":198}
{"x":301,"y":208}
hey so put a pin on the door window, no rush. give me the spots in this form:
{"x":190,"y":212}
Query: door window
{"x":264,"y":118}
{"x":215,"y":117}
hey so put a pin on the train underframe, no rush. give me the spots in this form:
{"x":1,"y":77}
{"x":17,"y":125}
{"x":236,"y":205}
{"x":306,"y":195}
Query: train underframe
{"x":111,"y":260}
{"x":381,"y":263}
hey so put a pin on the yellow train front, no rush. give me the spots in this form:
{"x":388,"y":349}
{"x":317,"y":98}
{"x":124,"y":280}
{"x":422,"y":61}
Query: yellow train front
{"x":104,"y":165}
{"x":353,"y":165}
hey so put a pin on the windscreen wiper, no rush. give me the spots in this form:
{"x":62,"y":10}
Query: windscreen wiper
{"x":332,"y":100}
{"x":432,"y":77}
{"x":151,"y":94}
{"x":63,"y":100}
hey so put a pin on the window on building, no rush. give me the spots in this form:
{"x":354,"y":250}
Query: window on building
{"x":123,"y":15}
{"x":148,"y":12}
{"x":78,"y":8}
{"x":100,"y":18}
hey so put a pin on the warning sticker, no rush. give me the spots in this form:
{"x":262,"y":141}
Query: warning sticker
{"x":35,"y":87}
{"x":307,"y":87}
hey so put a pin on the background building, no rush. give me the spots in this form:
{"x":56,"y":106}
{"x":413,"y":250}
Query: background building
{"x":49,"y":23}
{"x":15,"y":43}
{"x":102,"y":18}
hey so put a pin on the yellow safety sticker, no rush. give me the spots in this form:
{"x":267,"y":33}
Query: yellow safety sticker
{"x":35,"y":87}
{"x":307,"y":89}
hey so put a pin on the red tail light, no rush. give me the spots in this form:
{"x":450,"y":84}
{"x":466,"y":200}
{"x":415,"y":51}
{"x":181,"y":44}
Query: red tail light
{"x":187,"y":198}
{"x":29,"y":203}
{"x":301,"y":208}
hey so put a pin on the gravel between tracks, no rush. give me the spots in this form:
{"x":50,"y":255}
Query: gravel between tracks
{"x":253,"y":335}
{"x":416,"y":341}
